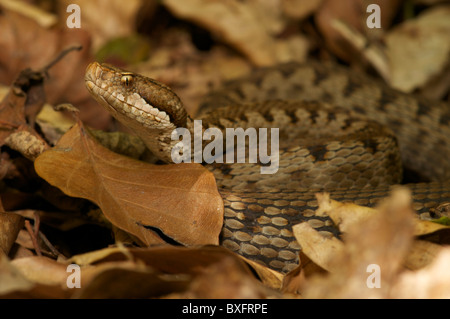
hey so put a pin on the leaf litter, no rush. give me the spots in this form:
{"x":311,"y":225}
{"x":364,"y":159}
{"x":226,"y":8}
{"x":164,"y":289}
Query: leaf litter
{"x":141,"y":208}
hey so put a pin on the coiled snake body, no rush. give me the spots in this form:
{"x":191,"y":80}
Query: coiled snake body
{"x":324,"y":144}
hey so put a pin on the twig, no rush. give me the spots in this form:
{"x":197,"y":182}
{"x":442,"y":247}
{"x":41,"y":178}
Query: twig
{"x":59,"y":57}
{"x":37,"y":223}
{"x":52,"y":248}
{"x":33,"y":237}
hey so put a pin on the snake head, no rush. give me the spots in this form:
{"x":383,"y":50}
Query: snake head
{"x":132,"y":97}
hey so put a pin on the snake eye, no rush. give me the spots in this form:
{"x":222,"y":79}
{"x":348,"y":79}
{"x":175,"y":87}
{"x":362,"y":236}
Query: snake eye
{"x":127,"y":80}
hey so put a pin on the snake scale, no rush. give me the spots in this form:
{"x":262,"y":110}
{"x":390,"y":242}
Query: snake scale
{"x":340,"y":130}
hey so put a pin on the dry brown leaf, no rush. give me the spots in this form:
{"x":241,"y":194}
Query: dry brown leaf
{"x":295,"y":280}
{"x":424,"y":227}
{"x":239,"y":24}
{"x":345,"y":215}
{"x":381,"y":240}
{"x":225,"y":280}
{"x":408,"y":42}
{"x":299,"y":9}
{"x":28,"y":144}
{"x":190,"y":72}
{"x":118,"y":17}
{"x":128,"y":280}
{"x":308,"y":266}
{"x":42,"y":270}
{"x":428,"y":283}
{"x":18,"y":111}
{"x":387,"y":237}
{"x":190,"y":261}
{"x":269,"y":277}
{"x":177,"y":272}
{"x":123,"y":279}
{"x":11,"y":278}
{"x":12,"y":113}
{"x":181,"y":201}
{"x":421,"y":254}
{"x":373,"y":54}
{"x":210,"y":271}
{"x":41,"y":45}
{"x":323,"y":251}
{"x":95,"y":256}
{"x":24,"y":240}
{"x":15,"y":285}
{"x":10,"y":225}
{"x":166,"y":259}
{"x":43,"y":18}
{"x":352,"y":13}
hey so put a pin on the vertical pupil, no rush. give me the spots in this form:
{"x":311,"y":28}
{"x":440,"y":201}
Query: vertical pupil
{"x":126,"y":80}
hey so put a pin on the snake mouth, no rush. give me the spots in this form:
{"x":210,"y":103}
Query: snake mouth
{"x":103,"y":83}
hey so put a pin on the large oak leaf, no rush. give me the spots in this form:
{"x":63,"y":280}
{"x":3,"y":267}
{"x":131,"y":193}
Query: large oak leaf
{"x":179,"y":200}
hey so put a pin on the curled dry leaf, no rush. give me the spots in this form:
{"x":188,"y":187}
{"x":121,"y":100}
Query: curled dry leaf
{"x":269,"y":277}
{"x":12,"y":113}
{"x":345,"y":215}
{"x":179,"y":272}
{"x":421,"y":254}
{"x":43,"y":18}
{"x":190,"y":72}
{"x":407,"y":43}
{"x":181,"y":201}
{"x":129,"y":280}
{"x":118,"y":18}
{"x":372,"y":53}
{"x":42,"y":270}
{"x":299,"y":9}
{"x":11,"y":278}
{"x":21,"y":34}
{"x":42,"y":277}
{"x":18,"y":110}
{"x":382,"y":237}
{"x":26,"y":143}
{"x":40,"y":45}
{"x":165,"y":259}
{"x":10,"y":225}
{"x":382,"y":240}
{"x":225,"y":280}
{"x":294,"y":281}
{"x":430,"y":282}
{"x":424,"y":227}
{"x":322,"y":250}
{"x":239,"y":24}
{"x":352,"y":13}
{"x":16,"y":284}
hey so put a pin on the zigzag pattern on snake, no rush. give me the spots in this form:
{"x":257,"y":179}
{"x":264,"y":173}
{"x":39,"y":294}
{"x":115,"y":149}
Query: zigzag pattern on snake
{"x":324,"y":144}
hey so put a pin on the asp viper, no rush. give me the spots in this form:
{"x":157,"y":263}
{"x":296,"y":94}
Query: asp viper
{"x":339,"y":131}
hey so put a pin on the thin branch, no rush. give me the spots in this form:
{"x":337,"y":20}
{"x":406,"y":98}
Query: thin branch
{"x":60,"y":56}
{"x":33,"y":237}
